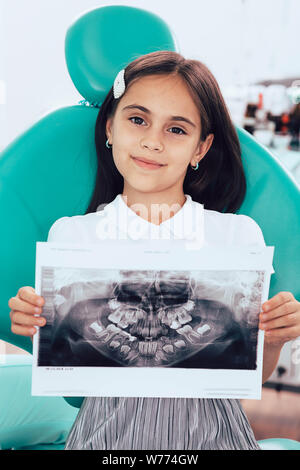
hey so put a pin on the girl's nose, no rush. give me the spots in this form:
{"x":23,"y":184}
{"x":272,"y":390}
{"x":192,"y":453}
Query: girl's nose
{"x":152,"y":142}
{"x":153,"y":146}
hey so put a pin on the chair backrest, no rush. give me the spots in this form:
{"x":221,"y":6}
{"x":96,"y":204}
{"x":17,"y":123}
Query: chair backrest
{"x":43,"y":178}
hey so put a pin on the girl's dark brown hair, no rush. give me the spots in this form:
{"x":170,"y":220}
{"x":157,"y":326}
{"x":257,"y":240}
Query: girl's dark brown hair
{"x":220,"y":182}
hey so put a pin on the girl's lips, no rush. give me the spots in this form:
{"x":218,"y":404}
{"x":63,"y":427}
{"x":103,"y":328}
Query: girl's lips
{"x":150,"y":166}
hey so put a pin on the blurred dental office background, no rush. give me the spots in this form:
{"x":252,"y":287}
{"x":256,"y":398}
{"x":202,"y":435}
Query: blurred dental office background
{"x":252,"y":48}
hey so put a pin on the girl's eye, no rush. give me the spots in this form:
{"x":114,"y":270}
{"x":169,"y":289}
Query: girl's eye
{"x":136,"y":118}
{"x":178,"y":128}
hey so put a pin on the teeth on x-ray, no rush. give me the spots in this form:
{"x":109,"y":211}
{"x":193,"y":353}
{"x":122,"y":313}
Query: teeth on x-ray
{"x":147,"y":328}
{"x":132,"y":356}
{"x":189,"y":305}
{"x":175,"y":324}
{"x":115,"y":317}
{"x":151,"y":318}
{"x":147,"y":348}
{"x":124,"y":350}
{"x":123,"y":316}
{"x":107,"y":334}
{"x":96,"y":327}
{"x":160,"y":356}
{"x":168,"y":348}
{"x":123,"y":324}
{"x":182,"y":314}
{"x":180,"y":344}
{"x":141,"y":324}
{"x":191,"y":335}
{"x":114,"y":345}
{"x":174,"y":317}
{"x":113,"y":304}
{"x":203,"y":329}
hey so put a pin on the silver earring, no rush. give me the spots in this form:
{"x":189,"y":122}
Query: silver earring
{"x":107,"y":144}
{"x":195,"y":167}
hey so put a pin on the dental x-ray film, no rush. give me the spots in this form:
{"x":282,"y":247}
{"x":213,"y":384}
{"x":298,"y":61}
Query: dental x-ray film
{"x":154,"y":320}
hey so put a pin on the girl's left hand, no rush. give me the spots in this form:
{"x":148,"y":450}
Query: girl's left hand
{"x":280,"y":318}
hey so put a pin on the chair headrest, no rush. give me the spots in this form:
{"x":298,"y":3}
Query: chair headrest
{"x":103,"y":41}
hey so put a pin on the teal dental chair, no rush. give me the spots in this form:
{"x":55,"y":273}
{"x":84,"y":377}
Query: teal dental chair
{"x":48,"y":172}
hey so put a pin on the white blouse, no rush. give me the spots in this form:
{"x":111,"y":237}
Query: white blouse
{"x":192,"y":222}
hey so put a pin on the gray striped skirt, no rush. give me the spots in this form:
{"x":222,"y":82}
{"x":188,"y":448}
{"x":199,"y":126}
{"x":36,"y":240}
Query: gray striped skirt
{"x":125,"y":423}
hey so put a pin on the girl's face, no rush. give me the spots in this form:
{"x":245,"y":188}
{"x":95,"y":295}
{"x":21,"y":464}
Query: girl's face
{"x":156,"y":119}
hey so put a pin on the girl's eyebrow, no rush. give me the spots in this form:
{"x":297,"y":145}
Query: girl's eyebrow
{"x":145,"y":110}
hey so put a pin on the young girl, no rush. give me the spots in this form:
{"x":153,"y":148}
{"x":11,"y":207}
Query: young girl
{"x":164,"y":138}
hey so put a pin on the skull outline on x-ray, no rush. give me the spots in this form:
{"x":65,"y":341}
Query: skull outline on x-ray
{"x":153,"y":320}
{"x":176,"y":318}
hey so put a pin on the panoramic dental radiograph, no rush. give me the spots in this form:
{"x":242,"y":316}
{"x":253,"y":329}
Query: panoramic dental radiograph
{"x":147,"y":319}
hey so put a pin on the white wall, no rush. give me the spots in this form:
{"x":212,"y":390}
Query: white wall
{"x":241,"y":41}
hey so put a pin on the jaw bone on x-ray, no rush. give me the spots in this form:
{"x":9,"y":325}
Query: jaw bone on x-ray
{"x":147,"y":319}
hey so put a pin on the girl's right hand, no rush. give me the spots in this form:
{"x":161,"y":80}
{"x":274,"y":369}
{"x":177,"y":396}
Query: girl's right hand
{"x":24,"y":307}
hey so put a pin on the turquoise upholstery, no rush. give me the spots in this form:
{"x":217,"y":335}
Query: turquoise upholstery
{"x":48,"y":172}
{"x":27,"y":421}
{"x":279,"y":444}
{"x":273,"y":201}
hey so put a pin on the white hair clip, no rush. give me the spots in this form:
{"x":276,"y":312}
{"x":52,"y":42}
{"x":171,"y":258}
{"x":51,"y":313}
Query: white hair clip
{"x":119,"y":84}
